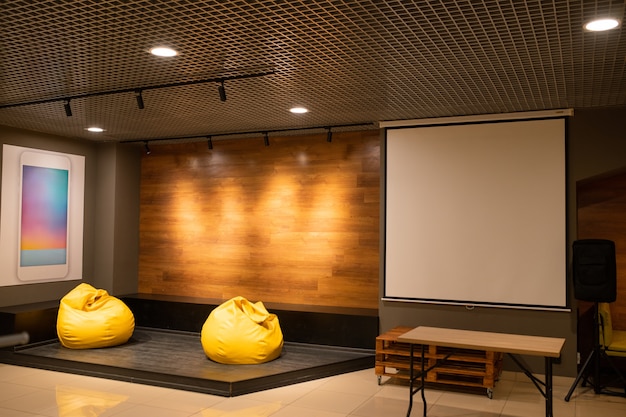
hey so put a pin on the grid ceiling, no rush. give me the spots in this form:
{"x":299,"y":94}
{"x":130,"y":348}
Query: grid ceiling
{"x":349,"y":62}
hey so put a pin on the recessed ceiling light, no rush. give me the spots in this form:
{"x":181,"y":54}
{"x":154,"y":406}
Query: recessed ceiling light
{"x":298,"y":110}
{"x":95,"y":129}
{"x":599,"y":25}
{"x":163,"y":51}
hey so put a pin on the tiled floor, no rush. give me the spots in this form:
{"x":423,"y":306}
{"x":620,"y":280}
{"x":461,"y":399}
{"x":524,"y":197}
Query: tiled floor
{"x":27,"y":392}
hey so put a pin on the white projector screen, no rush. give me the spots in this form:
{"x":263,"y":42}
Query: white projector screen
{"x":475,"y":214}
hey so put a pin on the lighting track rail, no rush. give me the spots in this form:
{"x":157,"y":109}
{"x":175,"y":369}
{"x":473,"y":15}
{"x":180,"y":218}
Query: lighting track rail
{"x":264,"y":133}
{"x":138,"y":90}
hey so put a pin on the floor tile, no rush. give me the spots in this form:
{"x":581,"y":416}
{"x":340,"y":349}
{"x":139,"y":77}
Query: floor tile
{"x":26,"y":392}
{"x":292,"y":411}
{"x":4,"y":412}
{"x":141,"y":410}
{"x":337,"y":402}
{"x":382,"y":406}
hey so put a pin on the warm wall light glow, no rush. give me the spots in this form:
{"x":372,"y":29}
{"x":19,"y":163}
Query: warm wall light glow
{"x":95,"y":129}
{"x":163,"y":51}
{"x":298,"y":110}
{"x":601,"y":24}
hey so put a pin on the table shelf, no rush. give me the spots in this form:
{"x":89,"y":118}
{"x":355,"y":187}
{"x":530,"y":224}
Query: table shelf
{"x":465,"y":367}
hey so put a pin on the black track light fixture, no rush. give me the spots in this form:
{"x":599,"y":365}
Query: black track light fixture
{"x":329,"y":135}
{"x":139,"y":97}
{"x":222,"y":91}
{"x":67,"y":107}
{"x":139,"y":90}
{"x":264,"y":133}
{"x":145,"y":145}
{"x":210,"y":143}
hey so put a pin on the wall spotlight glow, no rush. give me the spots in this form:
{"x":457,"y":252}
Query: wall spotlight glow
{"x":298,"y":110}
{"x":599,"y":25}
{"x":95,"y":129}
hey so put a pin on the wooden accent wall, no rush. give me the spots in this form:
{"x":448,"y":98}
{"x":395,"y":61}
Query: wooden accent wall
{"x":295,"y":222}
{"x":601,"y":214}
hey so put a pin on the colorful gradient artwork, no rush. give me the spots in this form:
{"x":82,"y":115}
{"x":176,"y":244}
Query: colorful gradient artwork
{"x":44,"y":216}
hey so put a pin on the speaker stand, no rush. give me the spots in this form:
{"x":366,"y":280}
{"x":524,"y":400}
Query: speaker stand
{"x":596,"y":354}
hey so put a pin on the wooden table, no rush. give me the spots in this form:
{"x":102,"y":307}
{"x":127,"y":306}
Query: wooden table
{"x":511,"y":344}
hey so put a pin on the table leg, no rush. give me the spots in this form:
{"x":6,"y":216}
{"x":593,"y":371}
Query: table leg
{"x":411,"y":349}
{"x":423,"y":379}
{"x":412,"y":379}
{"x":546,"y":391}
{"x":549,"y":405}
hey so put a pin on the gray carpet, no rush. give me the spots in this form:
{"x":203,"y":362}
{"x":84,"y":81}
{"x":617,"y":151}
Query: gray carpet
{"x":176,"y":360}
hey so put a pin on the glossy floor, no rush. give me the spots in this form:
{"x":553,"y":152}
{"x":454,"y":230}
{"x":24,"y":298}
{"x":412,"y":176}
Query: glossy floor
{"x":28,"y":392}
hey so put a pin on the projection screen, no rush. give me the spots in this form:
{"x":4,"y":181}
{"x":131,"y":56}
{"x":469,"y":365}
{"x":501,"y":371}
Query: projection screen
{"x":476,"y":214}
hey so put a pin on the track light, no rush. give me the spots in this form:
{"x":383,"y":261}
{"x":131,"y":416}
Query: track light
{"x":145,"y":145}
{"x":329,"y":135}
{"x":138,"y":90}
{"x":210,"y":143}
{"x":68,"y":108}
{"x":139,"y":98}
{"x":222,"y":91}
{"x":265,"y":133}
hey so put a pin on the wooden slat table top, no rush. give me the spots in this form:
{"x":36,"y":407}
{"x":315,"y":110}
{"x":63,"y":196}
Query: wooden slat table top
{"x":498,"y":342}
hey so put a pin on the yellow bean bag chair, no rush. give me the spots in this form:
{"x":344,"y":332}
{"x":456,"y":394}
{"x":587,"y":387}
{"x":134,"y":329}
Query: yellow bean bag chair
{"x":91,"y":318}
{"x":240,"y":332}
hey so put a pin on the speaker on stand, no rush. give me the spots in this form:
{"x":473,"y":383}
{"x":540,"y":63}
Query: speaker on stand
{"x":595,"y":280}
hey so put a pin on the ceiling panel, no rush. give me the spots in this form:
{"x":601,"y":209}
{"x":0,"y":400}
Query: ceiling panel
{"x":349,"y":62}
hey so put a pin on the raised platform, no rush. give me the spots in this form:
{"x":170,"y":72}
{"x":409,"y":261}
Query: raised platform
{"x":165,"y":349}
{"x":37,"y":319}
{"x":176,"y":360}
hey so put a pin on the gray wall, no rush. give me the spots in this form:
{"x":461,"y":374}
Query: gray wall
{"x":596,"y":144}
{"x":117,"y":218}
{"x":111,"y":216}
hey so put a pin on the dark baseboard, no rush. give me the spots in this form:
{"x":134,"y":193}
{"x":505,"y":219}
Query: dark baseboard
{"x":333,"y":326}
{"x":319,"y":325}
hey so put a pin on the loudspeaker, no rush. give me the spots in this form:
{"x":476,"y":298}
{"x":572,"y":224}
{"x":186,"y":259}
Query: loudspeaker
{"x":594,"y":270}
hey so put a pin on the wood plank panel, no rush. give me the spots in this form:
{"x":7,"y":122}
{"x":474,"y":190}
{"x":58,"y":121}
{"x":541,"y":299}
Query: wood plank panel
{"x":296,"y":222}
{"x":601,"y":211}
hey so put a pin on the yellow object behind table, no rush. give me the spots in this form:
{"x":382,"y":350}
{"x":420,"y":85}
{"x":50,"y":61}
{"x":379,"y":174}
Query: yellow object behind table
{"x":91,"y":318}
{"x":240,"y":332}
